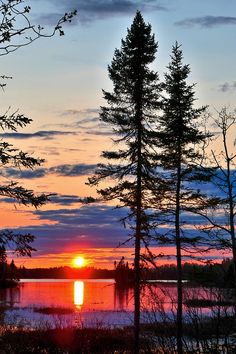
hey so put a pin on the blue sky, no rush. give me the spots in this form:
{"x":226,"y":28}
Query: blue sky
{"x":58,"y":83}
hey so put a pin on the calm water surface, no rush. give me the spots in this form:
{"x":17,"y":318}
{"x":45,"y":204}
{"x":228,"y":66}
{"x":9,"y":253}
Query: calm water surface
{"x":91,"y":302}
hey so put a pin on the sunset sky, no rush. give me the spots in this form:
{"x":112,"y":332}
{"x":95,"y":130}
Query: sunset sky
{"x":58,"y":83}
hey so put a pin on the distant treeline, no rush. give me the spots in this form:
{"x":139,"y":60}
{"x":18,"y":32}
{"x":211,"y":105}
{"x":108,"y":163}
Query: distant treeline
{"x":64,"y":273}
{"x":205,"y":274}
{"x":212,"y":274}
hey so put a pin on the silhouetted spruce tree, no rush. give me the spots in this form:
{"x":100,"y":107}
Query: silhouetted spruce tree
{"x":131,"y":111}
{"x":12,"y":270}
{"x":178,"y":134}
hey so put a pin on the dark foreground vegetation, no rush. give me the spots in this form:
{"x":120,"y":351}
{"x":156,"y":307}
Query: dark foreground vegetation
{"x":213,"y":335}
{"x":84,"y":341}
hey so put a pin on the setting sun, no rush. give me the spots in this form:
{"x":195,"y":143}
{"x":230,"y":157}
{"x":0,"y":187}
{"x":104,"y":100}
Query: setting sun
{"x":79,"y":262}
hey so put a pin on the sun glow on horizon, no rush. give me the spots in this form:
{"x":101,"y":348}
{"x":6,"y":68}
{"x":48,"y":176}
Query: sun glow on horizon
{"x":79,"y":262}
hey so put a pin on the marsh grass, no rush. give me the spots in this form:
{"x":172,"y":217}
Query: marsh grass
{"x":69,"y":340}
{"x":156,"y":338}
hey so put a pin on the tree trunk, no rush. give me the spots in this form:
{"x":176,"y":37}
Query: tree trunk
{"x":137,"y":287}
{"x":138,"y":232}
{"x":231,"y":207}
{"x":179,"y":260}
{"x":232,"y":234}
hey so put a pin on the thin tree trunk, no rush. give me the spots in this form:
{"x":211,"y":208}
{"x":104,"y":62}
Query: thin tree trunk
{"x":232,"y":234}
{"x":138,"y":238}
{"x":137,"y":288}
{"x":231,"y":207}
{"x":179,"y":261}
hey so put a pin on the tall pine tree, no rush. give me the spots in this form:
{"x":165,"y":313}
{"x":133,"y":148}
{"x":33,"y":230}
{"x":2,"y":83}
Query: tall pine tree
{"x":177,"y":137}
{"x":131,"y":112}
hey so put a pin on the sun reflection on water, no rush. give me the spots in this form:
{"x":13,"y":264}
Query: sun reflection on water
{"x":78,"y":293}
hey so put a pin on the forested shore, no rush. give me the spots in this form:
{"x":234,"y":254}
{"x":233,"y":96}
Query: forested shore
{"x":215,"y":274}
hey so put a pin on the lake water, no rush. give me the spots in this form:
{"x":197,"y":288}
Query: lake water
{"x":89,"y":303}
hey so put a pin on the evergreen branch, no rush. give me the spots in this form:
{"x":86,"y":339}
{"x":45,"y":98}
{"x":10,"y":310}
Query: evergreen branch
{"x":24,"y":196}
{"x":13,"y":121}
{"x":21,"y":243}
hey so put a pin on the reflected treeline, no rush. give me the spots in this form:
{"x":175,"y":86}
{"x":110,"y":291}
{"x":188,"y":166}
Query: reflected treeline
{"x":122,"y":297}
{"x":10,"y":296}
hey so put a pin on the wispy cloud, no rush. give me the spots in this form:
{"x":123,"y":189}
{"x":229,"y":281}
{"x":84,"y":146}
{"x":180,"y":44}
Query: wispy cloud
{"x":96,"y":225}
{"x":100,"y":132}
{"x":80,"y":112}
{"x":207,"y":21}
{"x":88,"y":120}
{"x":28,"y":174}
{"x":228,"y":86}
{"x":43,"y":134}
{"x":85,"y":120}
{"x":64,"y":200}
{"x":72,"y":170}
{"x":66,"y":170}
{"x":92,"y":10}
{"x":68,"y":200}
